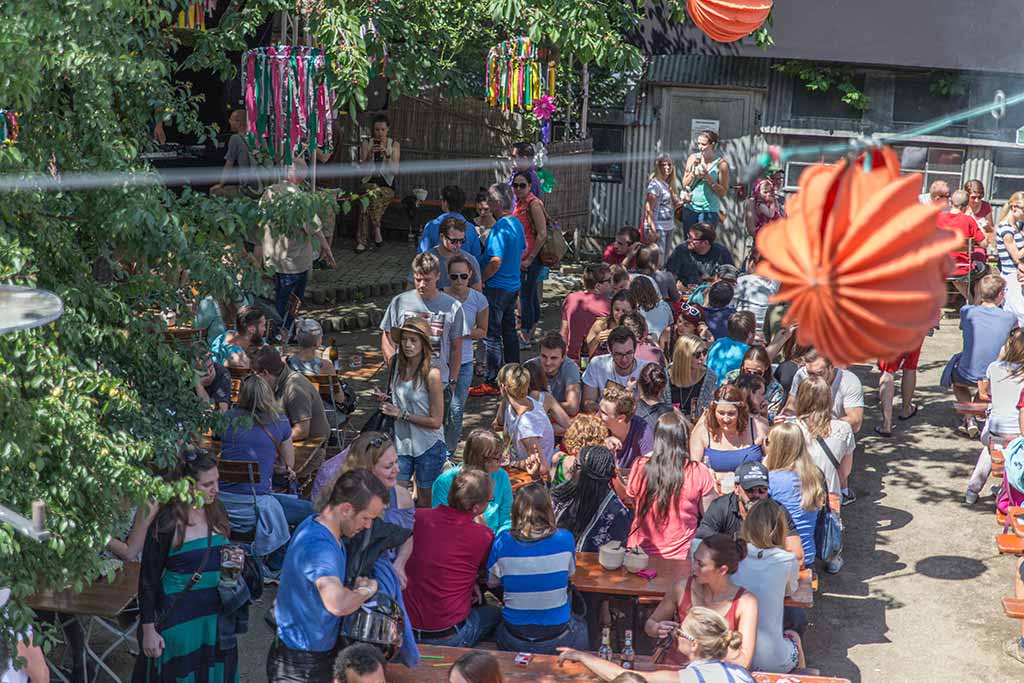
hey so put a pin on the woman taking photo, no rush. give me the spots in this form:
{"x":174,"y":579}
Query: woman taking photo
{"x":729,"y":435}
{"x":178,"y":581}
{"x":670,"y":491}
{"x":704,"y":639}
{"x":710,"y":585}
{"x":1010,"y":247}
{"x":588,"y":507}
{"x":475,"y":311}
{"x":1003,"y":383}
{"x":533,"y":563}
{"x":651,"y":384}
{"x":622,"y":304}
{"x":417,"y":404}
{"x":482,"y":452}
{"x":794,"y":482}
{"x":707,"y":180}
{"x":771,"y":574}
{"x":375,"y":452}
{"x":531,"y":213}
{"x":526,"y":422}
{"x":826,"y":435}
{"x":663,"y":197}
{"x":756,"y":362}
{"x":692,"y":383}
{"x":651,"y":306}
{"x":381,"y":156}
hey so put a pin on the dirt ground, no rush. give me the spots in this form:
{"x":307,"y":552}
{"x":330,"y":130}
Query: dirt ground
{"x":919,"y":597}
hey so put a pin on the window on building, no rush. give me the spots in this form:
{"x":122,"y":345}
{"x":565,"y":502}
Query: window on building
{"x":1009,"y":175}
{"x":915,"y":100}
{"x":934,"y":163}
{"x":796,"y":167}
{"x":828,"y":104}
{"x":607,"y":140}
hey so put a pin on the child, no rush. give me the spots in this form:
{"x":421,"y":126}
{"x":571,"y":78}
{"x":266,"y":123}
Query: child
{"x":985,"y":327}
{"x":719,"y":308}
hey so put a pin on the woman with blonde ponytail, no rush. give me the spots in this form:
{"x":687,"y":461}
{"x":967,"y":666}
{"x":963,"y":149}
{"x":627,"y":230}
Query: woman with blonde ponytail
{"x":794,"y":481}
{"x":704,"y":637}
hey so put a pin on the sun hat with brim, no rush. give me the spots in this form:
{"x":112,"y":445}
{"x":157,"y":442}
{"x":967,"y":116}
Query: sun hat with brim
{"x":413,"y":326}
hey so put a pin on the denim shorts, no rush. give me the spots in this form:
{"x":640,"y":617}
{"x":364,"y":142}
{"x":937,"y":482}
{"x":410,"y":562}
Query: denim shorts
{"x":427,"y":466}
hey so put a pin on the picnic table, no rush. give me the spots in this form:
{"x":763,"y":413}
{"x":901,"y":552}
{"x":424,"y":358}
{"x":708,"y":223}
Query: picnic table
{"x":99,"y":605}
{"x":518,"y":477}
{"x":544,"y":669}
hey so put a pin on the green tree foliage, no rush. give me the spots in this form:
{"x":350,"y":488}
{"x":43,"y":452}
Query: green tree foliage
{"x":819,"y":78}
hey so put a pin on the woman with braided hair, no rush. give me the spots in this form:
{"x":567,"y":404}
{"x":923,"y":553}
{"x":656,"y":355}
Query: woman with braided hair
{"x":587,"y":504}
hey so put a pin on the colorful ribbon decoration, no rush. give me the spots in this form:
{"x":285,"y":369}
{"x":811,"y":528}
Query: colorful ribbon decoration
{"x":289,"y":108}
{"x":516,"y":75}
{"x":194,"y":17}
{"x":8,"y":127}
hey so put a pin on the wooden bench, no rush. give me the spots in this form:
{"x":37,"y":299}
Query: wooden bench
{"x":1013,"y":608}
{"x":1016,"y":516}
{"x":1010,"y":544}
{"x":185,"y":335}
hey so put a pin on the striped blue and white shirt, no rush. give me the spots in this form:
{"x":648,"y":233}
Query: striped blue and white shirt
{"x":535,"y":577}
{"x":1006,"y":264}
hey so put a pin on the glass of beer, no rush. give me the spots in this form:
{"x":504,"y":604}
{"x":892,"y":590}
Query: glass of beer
{"x":232,"y":559}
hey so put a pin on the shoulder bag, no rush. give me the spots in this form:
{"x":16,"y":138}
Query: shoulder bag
{"x":378,"y":421}
{"x":555,"y":247}
{"x":828,"y":529}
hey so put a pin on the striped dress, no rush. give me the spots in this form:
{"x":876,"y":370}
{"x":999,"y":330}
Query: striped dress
{"x":190,"y":634}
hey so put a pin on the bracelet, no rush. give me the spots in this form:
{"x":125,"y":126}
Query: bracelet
{"x":403,"y":416}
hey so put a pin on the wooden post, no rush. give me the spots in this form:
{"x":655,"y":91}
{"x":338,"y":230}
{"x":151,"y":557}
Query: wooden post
{"x":568,"y":99}
{"x":586,"y":102}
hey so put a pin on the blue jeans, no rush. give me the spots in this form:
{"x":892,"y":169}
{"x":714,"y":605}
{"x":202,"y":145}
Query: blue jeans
{"x":477,"y":626}
{"x":457,"y":406}
{"x":529,"y":295}
{"x":295,"y":509}
{"x":426,"y":466}
{"x":286,"y":284}
{"x":691,"y":218}
{"x":575,"y":637}
{"x":501,"y":342}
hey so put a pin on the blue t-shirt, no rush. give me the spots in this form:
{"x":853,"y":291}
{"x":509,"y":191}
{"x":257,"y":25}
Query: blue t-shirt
{"x":432,"y":235}
{"x":507,"y":241}
{"x":535,"y":576}
{"x":498,"y":514}
{"x":717,"y":320}
{"x":303,"y":623}
{"x":784,"y":489}
{"x":253,"y":443}
{"x":985,"y":329}
{"x":725,"y":355}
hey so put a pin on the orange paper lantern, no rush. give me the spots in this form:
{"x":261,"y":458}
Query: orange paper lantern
{"x":860,"y":260}
{"x":727,"y":21}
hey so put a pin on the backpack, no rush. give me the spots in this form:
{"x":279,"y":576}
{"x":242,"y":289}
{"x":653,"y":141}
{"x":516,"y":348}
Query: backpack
{"x":555,"y":247}
{"x":1013,"y":463}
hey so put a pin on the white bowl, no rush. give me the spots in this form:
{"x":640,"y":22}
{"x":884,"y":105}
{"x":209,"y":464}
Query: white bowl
{"x":420,"y":194}
{"x":610,"y":555}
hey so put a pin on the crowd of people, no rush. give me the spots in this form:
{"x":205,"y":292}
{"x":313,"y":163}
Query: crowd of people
{"x":671,"y":411}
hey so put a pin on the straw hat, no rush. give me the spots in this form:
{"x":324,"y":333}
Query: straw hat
{"x":413,"y":325}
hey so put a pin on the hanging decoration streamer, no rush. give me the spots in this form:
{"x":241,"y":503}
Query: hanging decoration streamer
{"x":727,"y":21}
{"x":544,"y":108}
{"x":194,"y":17}
{"x":289,"y":102}
{"x":8,"y":127}
{"x":861,"y":262}
{"x":516,"y":75}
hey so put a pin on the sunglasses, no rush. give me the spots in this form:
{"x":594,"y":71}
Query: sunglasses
{"x":454,"y":240}
{"x":700,"y":353}
{"x":459,"y":276}
{"x":520,"y":186}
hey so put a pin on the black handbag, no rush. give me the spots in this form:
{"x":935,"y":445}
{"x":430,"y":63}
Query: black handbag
{"x":378,"y":421}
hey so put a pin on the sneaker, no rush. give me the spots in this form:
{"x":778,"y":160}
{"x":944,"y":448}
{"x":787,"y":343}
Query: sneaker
{"x":848,"y":497}
{"x":484,"y":389}
{"x":970,"y":497}
{"x":972,"y":430}
{"x":835,"y":565}
{"x":1014,"y":648}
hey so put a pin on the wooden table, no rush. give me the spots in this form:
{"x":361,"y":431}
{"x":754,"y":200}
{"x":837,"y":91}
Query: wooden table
{"x":97,"y":606}
{"x":518,"y":477}
{"x":543,"y":669}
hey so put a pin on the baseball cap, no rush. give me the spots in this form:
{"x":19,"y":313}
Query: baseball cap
{"x":727,"y":272}
{"x":751,"y":474}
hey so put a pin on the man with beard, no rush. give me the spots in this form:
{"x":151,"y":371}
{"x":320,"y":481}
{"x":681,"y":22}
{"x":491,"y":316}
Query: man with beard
{"x":233,"y":347}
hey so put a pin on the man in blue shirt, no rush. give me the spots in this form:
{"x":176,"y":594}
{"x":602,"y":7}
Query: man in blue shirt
{"x":312,"y":598}
{"x":505,"y":246}
{"x":452,"y":201}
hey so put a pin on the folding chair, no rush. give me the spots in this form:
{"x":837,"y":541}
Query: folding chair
{"x":241,"y":472}
{"x":327,"y":386}
{"x":294,"y":303}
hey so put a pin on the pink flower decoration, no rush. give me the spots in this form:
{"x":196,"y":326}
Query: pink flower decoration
{"x":544,"y":107}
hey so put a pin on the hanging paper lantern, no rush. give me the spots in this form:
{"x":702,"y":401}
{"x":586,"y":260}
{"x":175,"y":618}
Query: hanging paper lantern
{"x":727,"y":21}
{"x":289,"y":101}
{"x":516,"y":75}
{"x":860,"y":261}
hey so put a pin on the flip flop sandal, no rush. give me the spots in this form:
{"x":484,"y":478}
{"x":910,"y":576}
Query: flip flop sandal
{"x":886,"y":435}
{"x":911,"y":416}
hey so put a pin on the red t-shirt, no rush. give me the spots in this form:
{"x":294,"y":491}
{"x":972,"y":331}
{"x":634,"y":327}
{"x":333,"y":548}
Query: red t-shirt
{"x":449,"y":552}
{"x":611,"y":258}
{"x":671,"y":536}
{"x":581,"y":310}
{"x":968,"y":227}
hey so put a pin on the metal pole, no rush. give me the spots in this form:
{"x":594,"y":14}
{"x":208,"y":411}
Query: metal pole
{"x":34,"y":528}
